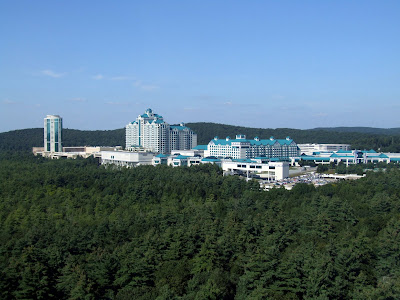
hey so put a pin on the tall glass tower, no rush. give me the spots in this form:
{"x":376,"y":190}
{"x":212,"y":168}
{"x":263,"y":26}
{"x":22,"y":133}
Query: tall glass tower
{"x":52,"y":133}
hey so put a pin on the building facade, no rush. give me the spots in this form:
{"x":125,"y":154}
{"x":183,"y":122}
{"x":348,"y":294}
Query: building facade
{"x":351,"y":157}
{"x":152,"y":133}
{"x":268,"y":171}
{"x":126,"y":158}
{"x":52,"y":133}
{"x":309,"y":149}
{"x":241,"y":148}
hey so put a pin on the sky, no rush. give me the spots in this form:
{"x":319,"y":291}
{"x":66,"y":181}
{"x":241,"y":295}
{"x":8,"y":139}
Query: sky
{"x":267,"y":64}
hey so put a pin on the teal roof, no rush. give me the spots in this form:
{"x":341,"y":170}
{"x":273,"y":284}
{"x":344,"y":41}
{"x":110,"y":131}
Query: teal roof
{"x":316,"y":158}
{"x":162,"y":155}
{"x":221,"y":142}
{"x":145,"y":115}
{"x":177,"y":127}
{"x":201,"y":147}
{"x":345,"y":156}
{"x":285,"y":142}
{"x":211,"y":159}
{"x":395,"y":158}
{"x":344,"y":151}
{"x":263,"y":142}
{"x":244,"y":160}
{"x":275,"y":159}
{"x":369,"y":151}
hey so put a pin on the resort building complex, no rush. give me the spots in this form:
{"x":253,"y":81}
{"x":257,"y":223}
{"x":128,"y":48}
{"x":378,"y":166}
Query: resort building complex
{"x":240,"y":148}
{"x":150,"y":132}
{"x":152,"y":141}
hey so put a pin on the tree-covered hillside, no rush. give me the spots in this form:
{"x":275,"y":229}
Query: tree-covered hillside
{"x":207,"y":131}
{"x":371,"y":130}
{"x":70,"y":229}
{"x":25,"y":139}
{"x":28,"y":138}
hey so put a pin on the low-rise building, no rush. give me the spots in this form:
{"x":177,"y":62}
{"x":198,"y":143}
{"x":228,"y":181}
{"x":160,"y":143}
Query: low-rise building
{"x":74,"y":152}
{"x":269,"y":171}
{"x":349,"y":157}
{"x":126,"y":158}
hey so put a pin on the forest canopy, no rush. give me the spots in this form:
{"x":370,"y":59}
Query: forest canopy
{"x":71,"y":229}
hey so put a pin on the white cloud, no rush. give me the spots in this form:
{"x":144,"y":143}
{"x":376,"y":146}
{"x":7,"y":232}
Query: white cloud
{"x":8,"y":101}
{"x":98,"y":77}
{"x":228,"y":103}
{"x":145,"y":87}
{"x":52,"y":74}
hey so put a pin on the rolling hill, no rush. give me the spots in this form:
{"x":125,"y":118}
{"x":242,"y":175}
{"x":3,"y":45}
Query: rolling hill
{"x":359,"y":137}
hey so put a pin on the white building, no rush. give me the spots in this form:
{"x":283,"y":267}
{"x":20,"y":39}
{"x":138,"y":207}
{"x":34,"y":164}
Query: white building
{"x":350,"y":157}
{"x":126,"y":158}
{"x":262,"y":167}
{"x":241,"y":148}
{"x":74,"y":152}
{"x":182,"y":138}
{"x":52,"y":133}
{"x":151,"y":132}
{"x":309,"y":149}
{"x":269,"y":171}
{"x":148,"y":131}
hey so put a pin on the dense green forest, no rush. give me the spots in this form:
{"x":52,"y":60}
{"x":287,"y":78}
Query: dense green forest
{"x":388,"y":140}
{"x":25,"y":139}
{"x":357,"y":140}
{"x":71,"y":229}
{"x":373,"y":130}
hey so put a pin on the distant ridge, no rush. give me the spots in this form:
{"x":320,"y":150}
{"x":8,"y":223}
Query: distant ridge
{"x":358,"y":137}
{"x":25,"y":139}
{"x":348,"y":135}
{"x":372,"y":130}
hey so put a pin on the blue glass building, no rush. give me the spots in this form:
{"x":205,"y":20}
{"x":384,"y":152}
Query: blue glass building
{"x":52,"y":133}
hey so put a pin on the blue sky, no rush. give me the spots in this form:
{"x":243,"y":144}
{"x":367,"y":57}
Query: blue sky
{"x":268,"y":64}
